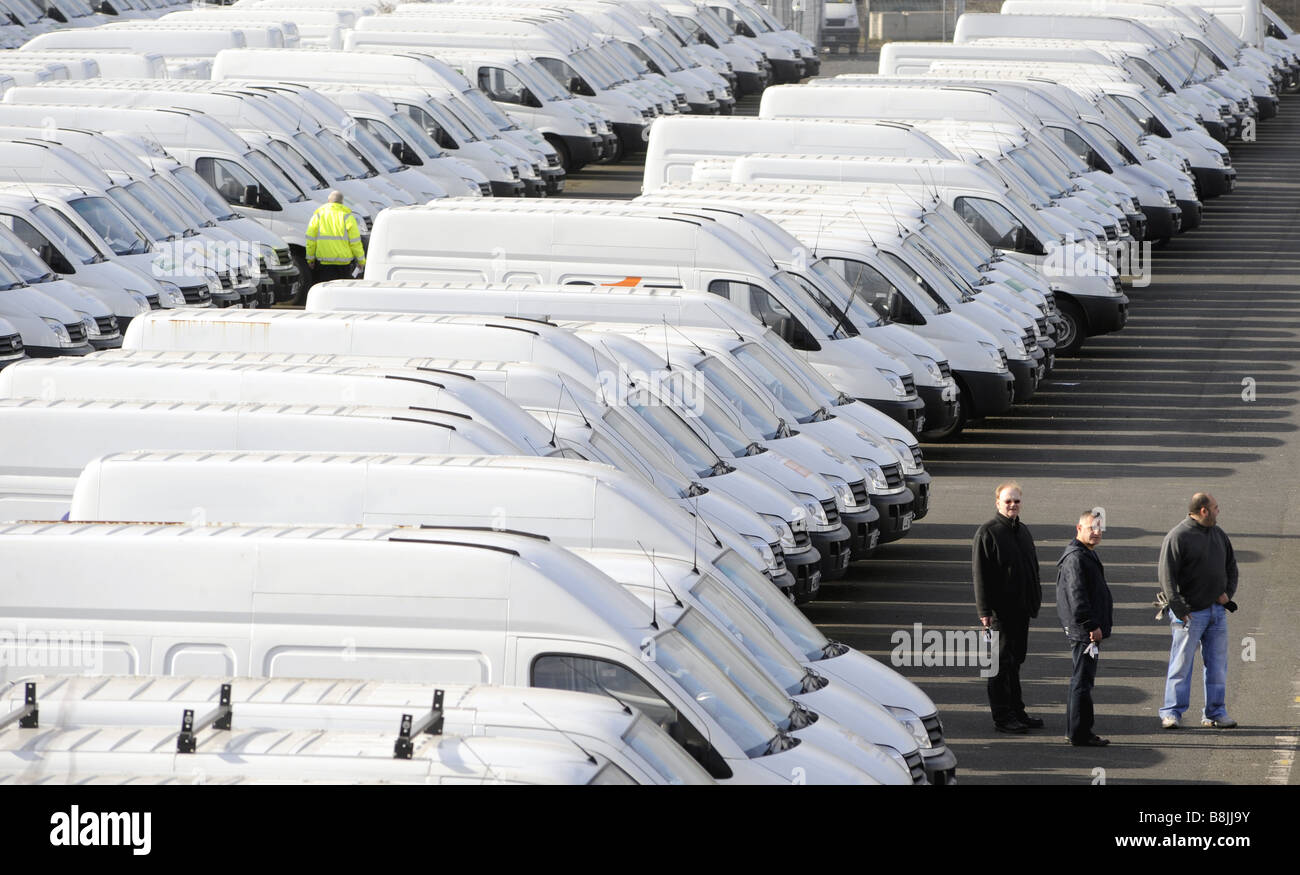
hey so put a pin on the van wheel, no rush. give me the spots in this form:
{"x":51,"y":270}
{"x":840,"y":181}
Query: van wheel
{"x":1069,"y":339}
{"x":299,"y":256}
{"x":958,"y":423}
{"x":566,"y":160}
{"x":619,"y":152}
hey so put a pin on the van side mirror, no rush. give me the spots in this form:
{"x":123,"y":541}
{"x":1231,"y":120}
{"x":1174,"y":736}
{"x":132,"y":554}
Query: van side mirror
{"x":252,"y":196}
{"x":579,"y":86}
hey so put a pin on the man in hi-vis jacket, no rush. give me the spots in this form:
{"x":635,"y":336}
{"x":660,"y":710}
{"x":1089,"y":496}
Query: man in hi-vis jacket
{"x":333,"y":242}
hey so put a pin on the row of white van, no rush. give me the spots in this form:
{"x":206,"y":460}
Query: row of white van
{"x":291,"y":383}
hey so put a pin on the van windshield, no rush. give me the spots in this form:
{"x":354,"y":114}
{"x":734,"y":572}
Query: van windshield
{"x":735,"y":616}
{"x":204,"y":193}
{"x":409,"y":131}
{"x":22,"y":260}
{"x":776,"y":607}
{"x":540,"y":82}
{"x":345,"y":155}
{"x":742,"y":397}
{"x":74,"y":242}
{"x":759,"y":364}
{"x":798,"y":294}
{"x":297,"y":169}
{"x":862,"y":315}
{"x":701,"y":681}
{"x":111,"y":223}
{"x":938,"y":301}
{"x":842,"y":324}
{"x":159,"y":208}
{"x":488,"y":110}
{"x":265,"y":166}
{"x":143,"y":216}
{"x":664,"y":756}
{"x":736,"y":664}
{"x":678,"y":435}
{"x":617,"y":422}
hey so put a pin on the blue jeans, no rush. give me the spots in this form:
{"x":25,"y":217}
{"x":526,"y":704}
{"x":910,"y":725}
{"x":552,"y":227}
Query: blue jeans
{"x":1207,"y":629}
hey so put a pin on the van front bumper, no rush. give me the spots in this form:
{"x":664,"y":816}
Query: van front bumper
{"x":1026,"y":373}
{"x":940,"y":408}
{"x":1214,"y":181}
{"x":750,"y":83}
{"x":1163,"y":222}
{"x":990,"y":392}
{"x":897,"y":513}
{"x":919,"y":485}
{"x":554,"y":177}
{"x":785,"y":70}
{"x":1267,"y":104}
{"x":632,"y":135}
{"x":1191,"y":215}
{"x":1103,"y":315}
{"x":806,"y":568}
{"x":501,"y":188}
{"x":940,"y":765}
{"x":583,"y":150}
{"x":864,"y":531}
{"x":835,"y":549}
{"x":711,"y":107}
{"x":909,"y":414}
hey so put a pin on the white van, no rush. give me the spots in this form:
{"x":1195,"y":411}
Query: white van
{"x":315,"y":27}
{"x":629,"y":113}
{"x":47,"y":443}
{"x":551,"y":244}
{"x":536,"y":615}
{"x":591,"y":723}
{"x":676,"y":144}
{"x":472,"y":338}
{"x":167,"y":43}
{"x":247,"y":178}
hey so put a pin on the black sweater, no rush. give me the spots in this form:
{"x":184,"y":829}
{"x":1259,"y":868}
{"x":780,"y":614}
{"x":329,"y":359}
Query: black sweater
{"x":1197,"y":563}
{"x":1004,"y":563}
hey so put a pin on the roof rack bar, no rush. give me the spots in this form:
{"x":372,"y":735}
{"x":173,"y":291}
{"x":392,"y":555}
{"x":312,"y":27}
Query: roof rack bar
{"x":28,"y":715}
{"x":218,"y":718}
{"x":430,"y":722}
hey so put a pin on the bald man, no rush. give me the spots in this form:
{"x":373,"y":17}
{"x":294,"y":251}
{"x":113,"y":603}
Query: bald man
{"x":1197,"y":564}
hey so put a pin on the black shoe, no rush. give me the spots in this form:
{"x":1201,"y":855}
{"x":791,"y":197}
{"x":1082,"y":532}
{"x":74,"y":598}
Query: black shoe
{"x":1013,"y":726}
{"x":1031,"y":722}
{"x":1093,"y":741}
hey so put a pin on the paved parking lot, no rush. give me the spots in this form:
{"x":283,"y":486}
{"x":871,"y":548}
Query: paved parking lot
{"x":1199,"y":392}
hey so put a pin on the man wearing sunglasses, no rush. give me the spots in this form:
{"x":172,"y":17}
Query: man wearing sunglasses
{"x":1008,"y":594}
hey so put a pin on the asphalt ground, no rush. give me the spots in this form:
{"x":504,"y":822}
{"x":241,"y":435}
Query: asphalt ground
{"x":1198,"y":392}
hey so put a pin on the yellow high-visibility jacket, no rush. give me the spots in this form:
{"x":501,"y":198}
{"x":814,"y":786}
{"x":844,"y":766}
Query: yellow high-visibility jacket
{"x":333,"y":236}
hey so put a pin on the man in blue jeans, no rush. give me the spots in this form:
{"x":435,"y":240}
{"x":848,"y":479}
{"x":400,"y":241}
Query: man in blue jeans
{"x":1198,"y":574}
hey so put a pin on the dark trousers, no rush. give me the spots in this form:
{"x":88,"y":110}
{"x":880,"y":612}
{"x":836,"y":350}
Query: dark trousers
{"x":1004,"y":687}
{"x":1078,"y":706}
{"x":324,"y":273}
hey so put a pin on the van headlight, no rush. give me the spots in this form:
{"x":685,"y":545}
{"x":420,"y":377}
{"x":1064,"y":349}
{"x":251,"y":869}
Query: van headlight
{"x":1015,"y":343}
{"x":172,"y":293}
{"x":876,"y":475}
{"x":895,"y":382}
{"x":213,"y":281}
{"x":141,"y":301}
{"x":842,"y":491}
{"x":905,"y":456}
{"x":58,"y":329}
{"x":913,"y":724}
{"x":932,"y":367}
{"x":813,"y":508}
{"x":88,"y":323}
{"x":1217,"y":159}
{"x":994,"y":353}
{"x":781,"y":530}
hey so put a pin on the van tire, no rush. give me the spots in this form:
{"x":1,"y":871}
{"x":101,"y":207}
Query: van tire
{"x":566,"y":160}
{"x":1074,"y":330}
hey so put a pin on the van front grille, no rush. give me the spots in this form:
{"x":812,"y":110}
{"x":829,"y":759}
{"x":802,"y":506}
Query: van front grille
{"x":196,"y":294}
{"x":832,"y":512}
{"x":11,"y":344}
{"x":107,"y":325}
{"x":76,"y":333}
{"x":859,"y":489}
{"x":893,"y":474}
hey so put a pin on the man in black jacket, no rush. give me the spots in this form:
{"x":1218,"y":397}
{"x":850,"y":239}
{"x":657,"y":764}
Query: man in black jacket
{"x":1084,"y":604}
{"x":1008,"y":593}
